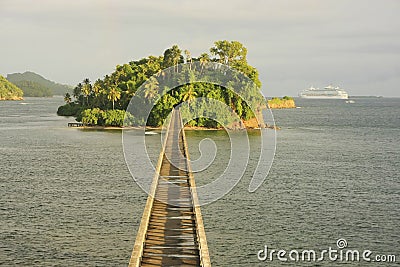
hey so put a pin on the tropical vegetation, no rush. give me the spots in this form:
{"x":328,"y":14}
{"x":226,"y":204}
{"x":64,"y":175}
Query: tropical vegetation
{"x":284,"y":102}
{"x":103,"y":101}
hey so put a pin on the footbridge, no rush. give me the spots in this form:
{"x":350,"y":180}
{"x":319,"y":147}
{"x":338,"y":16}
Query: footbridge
{"x":171,"y":231}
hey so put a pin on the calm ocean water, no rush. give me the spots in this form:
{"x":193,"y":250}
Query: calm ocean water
{"x":67,"y":197}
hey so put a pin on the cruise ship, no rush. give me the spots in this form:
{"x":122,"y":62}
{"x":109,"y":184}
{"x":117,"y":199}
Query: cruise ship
{"x":328,"y":92}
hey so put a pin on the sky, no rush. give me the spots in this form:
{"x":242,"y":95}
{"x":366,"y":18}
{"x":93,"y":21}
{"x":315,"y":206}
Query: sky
{"x":295,"y":44}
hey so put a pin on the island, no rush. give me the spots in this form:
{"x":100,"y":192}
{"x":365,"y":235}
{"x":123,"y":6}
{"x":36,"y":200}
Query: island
{"x":279,"y":103}
{"x":9,"y":91}
{"x":104,"y":101}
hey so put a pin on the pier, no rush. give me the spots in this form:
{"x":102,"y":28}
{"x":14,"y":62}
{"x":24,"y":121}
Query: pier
{"x":171,"y":231}
{"x":75,"y":124}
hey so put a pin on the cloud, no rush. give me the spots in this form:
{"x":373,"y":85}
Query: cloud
{"x":291,"y":41}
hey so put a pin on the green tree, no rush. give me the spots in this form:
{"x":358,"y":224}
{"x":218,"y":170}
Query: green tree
{"x":172,"y":57}
{"x":91,"y":116}
{"x":77,"y":92}
{"x":115,"y":117}
{"x":228,"y":52}
{"x":114,"y":94}
{"x":67,"y":98}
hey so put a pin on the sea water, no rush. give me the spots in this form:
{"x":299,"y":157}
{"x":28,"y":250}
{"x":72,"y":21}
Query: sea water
{"x":68,"y":199}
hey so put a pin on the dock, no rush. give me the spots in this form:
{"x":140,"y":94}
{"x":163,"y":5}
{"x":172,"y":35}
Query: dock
{"x":75,"y":124}
{"x":171,"y":232}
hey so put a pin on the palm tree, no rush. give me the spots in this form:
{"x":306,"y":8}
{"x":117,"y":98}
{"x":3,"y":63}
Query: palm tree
{"x":97,"y":87}
{"x":204,"y":59}
{"x":151,"y":88}
{"x":130,"y":88}
{"x":86,"y":89}
{"x":188,"y":58}
{"x":189,"y":94}
{"x":172,"y":57}
{"x":67,"y":98}
{"x":98,"y":90}
{"x":161,"y":74}
{"x":114,"y":94}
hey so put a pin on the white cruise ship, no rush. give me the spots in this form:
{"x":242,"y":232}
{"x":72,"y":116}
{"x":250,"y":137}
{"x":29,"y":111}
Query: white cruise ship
{"x":328,"y":92}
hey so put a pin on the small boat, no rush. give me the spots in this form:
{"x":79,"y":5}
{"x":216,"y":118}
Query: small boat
{"x":350,"y":101}
{"x":150,"y":133}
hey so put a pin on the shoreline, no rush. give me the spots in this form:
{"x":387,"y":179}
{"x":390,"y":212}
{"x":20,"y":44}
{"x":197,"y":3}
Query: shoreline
{"x":189,"y":128}
{"x":17,"y":98}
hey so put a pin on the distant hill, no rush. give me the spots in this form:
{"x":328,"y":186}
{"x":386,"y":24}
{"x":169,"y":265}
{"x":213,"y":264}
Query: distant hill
{"x":34,"y":89}
{"x":9,"y":91}
{"x":35,"y":85}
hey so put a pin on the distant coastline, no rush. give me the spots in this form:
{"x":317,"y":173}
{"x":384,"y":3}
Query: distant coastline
{"x":187,"y":128}
{"x":246,"y":125}
{"x":35,"y":85}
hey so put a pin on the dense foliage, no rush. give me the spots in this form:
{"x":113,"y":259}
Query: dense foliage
{"x":69,"y":109}
{"x":34,"y":89}
{"x":9,"y":91}
{"x":115,"y":118}
{"x":40,"y":84}
{"x":92,"y":100}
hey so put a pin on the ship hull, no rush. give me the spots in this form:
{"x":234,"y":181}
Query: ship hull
{"x":325,"y":97}
{"x":328,"y":92}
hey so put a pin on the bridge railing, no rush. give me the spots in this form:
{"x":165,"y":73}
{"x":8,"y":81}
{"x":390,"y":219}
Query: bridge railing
{"x":201,"y":234}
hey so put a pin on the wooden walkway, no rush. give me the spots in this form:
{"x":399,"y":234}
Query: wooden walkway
{"x":171,"y":232}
